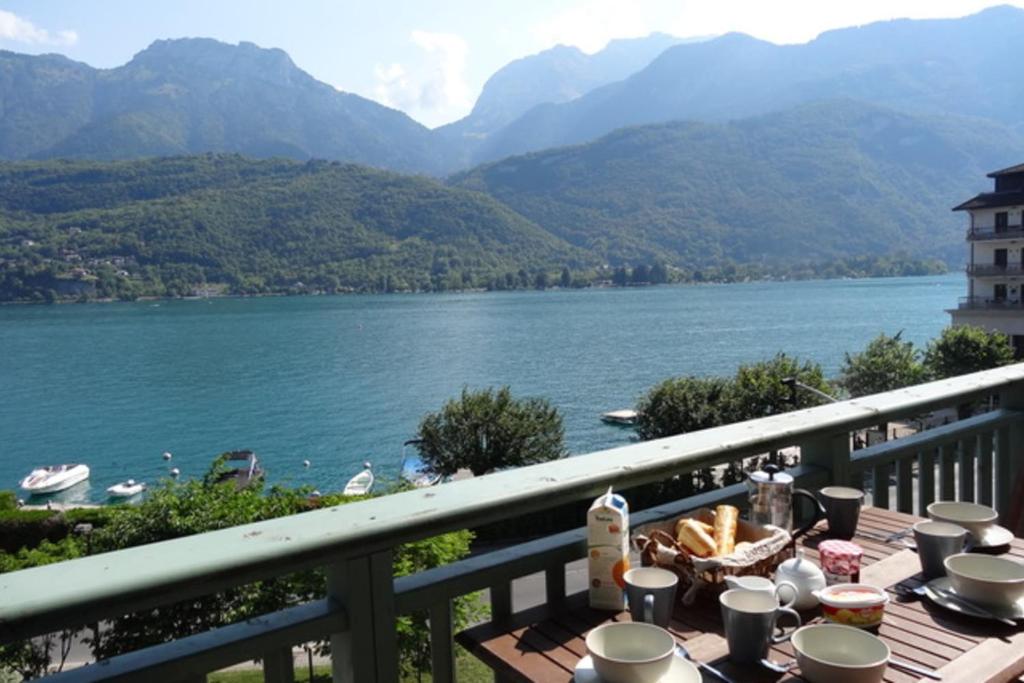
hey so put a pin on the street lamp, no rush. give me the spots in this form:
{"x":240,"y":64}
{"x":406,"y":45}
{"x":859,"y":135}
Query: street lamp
{"x":793,"y":383}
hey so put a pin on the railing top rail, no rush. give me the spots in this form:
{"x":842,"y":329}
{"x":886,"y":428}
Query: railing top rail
{"x":35,"y":600}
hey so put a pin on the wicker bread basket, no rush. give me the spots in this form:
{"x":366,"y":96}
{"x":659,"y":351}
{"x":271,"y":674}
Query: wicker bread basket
{"x":656,"y":542}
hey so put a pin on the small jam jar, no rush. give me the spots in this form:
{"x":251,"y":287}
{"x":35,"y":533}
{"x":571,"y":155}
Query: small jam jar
{"x":840,"y":560}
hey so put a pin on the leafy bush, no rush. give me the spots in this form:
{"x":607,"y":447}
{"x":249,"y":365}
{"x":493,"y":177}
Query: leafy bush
{"x":183,"y":508}
{"x":886,"y":363}
{"x":964,"y":349}
{"x":488,"y":430}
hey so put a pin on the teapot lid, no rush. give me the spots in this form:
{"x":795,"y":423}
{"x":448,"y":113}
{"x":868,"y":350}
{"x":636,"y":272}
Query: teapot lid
{"x":771,"y":474}
{"x":799,"y":566}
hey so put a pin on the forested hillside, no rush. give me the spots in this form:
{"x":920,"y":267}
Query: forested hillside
{"x":181,"y":226}
{"x":819,"y":182}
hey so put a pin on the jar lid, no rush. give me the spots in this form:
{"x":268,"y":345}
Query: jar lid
{"x":838,"y":548}
{"x":800,"y":566}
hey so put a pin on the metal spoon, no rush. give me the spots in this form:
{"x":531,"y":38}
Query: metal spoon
{"x":681,"y":649}
{"x":914,"y":668}
{"x":778,"y":667}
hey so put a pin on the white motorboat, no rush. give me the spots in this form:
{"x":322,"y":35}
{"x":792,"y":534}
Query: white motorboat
{"x":621,"y":418}
{"x":53,"y":478}
{"x":360,"y":484}
{"x":126,"y":489}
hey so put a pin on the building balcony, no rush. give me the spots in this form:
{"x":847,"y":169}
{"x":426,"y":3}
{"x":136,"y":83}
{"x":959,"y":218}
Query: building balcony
{"x":995,"y":270}
{"x":989,"y":304}
{"x":977,"y":458}
{"x":1011,"y":232}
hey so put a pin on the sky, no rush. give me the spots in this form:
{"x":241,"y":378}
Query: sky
{"x":428,"y":58}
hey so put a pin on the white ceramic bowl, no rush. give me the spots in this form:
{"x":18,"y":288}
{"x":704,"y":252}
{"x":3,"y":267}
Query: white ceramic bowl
{"x":971,"y":516}
{"x":830,"y":653}
{"x":631,"y":652}
{"x":986,"y":579}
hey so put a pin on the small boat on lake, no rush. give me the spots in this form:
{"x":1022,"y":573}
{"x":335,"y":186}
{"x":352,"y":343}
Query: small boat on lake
{"x":414,"y":471}
{"x":246,"y":470}
{"x":126,"y":489}
{"x":621,"y":418}
{"x":362,"y":483}
{"x":53,"y":478}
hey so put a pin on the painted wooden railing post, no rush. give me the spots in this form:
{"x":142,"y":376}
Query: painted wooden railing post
{"x":384,"y":618}
{"x":279,"y":666}
{"x":1010,"y":448}
{"x":442,"y":648}
{"x":368,"y":652}
{"x":339,"y":590}
{"x":831,"y":453}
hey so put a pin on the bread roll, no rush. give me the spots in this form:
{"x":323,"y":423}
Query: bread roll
{"x":708,"y":528}
{"x":694,"y":539}
{"x":726,"y":517}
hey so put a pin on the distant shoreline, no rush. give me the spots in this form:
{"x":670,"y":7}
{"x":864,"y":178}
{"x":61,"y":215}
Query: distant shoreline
{"x":477,"y":290}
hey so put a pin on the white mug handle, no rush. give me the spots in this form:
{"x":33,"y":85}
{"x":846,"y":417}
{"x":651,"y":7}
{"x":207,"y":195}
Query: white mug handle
{"x":790,"y":586}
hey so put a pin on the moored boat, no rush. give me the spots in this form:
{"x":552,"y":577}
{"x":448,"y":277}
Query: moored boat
{"x":126,"y":489}
{"x":247,"y":469}
{"x":414,"y":470}
{"x":622,"y":418}
{"x":362,"y":483}
{"x":53,"y":478}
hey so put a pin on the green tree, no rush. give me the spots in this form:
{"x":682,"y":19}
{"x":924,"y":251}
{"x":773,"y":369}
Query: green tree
{"x":964,"y":349}
{"x":683,"y":404}
{"x":490,"y":430}
{"x":886,"y":363}
{"x":566,"y":278}
{"x":759,"y":389}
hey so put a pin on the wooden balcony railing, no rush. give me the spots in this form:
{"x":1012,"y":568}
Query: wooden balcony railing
{"x":972,"y":459}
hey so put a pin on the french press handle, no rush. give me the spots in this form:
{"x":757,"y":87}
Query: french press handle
{"x":819,"y":511}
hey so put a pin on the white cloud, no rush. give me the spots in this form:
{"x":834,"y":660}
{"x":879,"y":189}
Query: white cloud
{"x":591,"y":24}
{"x":434,"y":89}
{"x":14,"y":28}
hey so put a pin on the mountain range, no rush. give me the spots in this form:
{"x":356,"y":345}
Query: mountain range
{"x":688,"y":152}
{"x":198,"y":95}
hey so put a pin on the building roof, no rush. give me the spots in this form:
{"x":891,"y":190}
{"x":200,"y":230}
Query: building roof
{"x":1019,"y":168}
{"x":988,"y":200}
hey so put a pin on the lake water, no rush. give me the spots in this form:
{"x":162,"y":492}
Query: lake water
{"x":343,"y":379}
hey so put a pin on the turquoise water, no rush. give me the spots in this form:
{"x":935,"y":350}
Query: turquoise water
{"x":343,"y":379}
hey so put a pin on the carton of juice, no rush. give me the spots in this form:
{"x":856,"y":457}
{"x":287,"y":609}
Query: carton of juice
{"x":608,"y":551}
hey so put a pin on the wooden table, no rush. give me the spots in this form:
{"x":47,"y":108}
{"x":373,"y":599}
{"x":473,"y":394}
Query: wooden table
{"x":535,"y":646}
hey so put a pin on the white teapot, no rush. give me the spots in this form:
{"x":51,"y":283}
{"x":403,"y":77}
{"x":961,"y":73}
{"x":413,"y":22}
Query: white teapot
{"x":805,"y":576}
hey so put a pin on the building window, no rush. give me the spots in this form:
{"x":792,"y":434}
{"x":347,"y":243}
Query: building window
{"x":999,"y":293}
{"x":1000,"y":258}
{"x":1002,"y":221}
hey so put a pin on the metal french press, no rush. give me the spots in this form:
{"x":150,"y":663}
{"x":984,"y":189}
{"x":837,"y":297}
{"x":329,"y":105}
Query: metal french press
{"x":771,"y":495}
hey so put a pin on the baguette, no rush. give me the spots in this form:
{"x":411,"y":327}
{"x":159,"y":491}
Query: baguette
{"x":693,"y":538}
{"x":726,"y":517}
